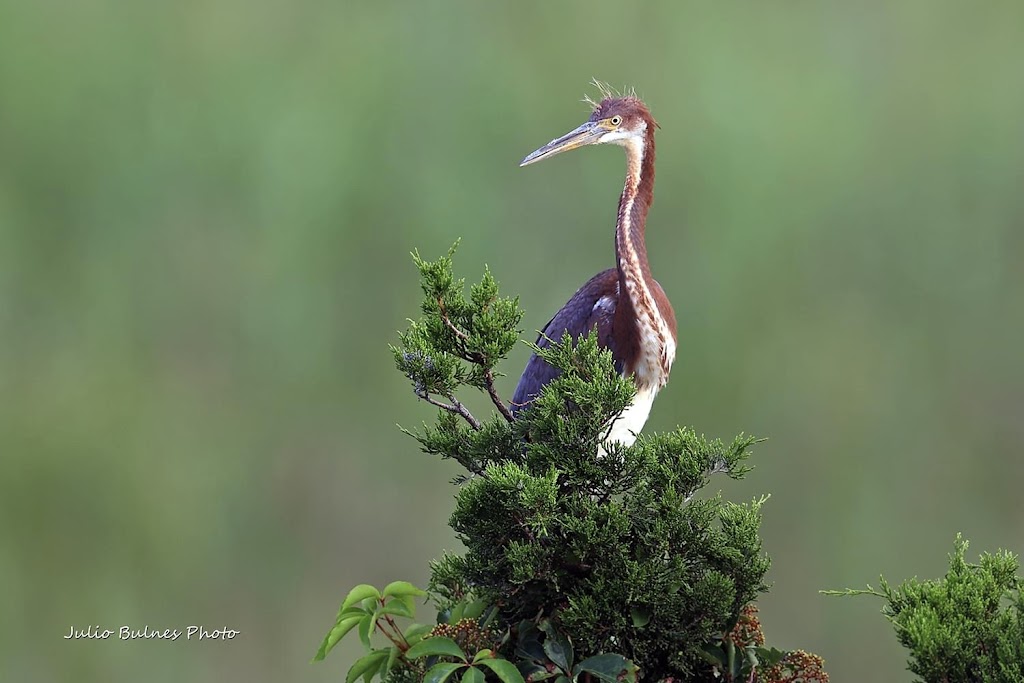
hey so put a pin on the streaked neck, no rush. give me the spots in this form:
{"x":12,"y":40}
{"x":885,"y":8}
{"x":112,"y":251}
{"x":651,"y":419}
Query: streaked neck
{"x":637,"y":195}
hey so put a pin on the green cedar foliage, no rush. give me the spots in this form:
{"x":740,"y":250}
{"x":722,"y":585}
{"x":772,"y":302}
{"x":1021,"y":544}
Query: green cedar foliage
{"x":616,"y":550}
{"x":967,"y":627}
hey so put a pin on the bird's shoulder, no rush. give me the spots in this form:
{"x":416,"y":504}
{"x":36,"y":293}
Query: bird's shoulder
{"x":592,"y":304}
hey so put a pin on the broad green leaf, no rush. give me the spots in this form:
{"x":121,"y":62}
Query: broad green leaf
{"x":392,"y":658}
{"x":531,"y":649}
{"x":641,"y":615}
{"x":737,"y":667}
{"x":398,"y":608}
{"x":365,"y":628}
{"x":734,"y":663}
{"x":562,"y":679}
{"x":769,"y":657}
{"x":455,"y":615}
{"x":401,"y":588}
{"x":473,"y":675}
{"x":527,"y":629}
{"x":489,"y":615}
{"x":347,"y":624}
{"x":415,"y":632}
{"x":367,"y":666}
{"x":559,"y":651}
{"x":353,"y":611}
{"x":373,"y":622}
{"x":334,"y":635}
{"x":440,"y":672}
{"x":608,"y":667}
{"x":528,"y":645}
{"x":474,"y":609}
{"x":505,"y":670}
{"x":359,"y":593}
{"x":713,"y":654}
{"x":437,"y":645}
{"x":751,"y":658}
{"x":532,"y":672}
{"x":557,"y":646}
{"x":483,"y":654}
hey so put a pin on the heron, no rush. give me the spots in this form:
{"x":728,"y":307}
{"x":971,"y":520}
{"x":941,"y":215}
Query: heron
{"x":625,"y":304}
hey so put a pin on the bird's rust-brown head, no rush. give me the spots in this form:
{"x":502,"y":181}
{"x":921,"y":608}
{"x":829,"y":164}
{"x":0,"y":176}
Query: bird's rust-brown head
{"x":618,"y":119}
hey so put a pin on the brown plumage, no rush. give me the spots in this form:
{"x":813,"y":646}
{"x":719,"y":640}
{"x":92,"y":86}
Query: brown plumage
{"x":626,"y":305}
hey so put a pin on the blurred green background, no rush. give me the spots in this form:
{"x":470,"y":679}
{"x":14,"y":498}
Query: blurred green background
{"x":206,"y":210}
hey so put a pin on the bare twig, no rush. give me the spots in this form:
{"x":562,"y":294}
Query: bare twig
{"x":462,"y":336}
{"x":478,"y":359}
{"x":495,"y":399}
{"x":464,"y":412}
{"x":379,"y":625}
{"x":454,"y":407}
{"x":526,"y":529}
{"x":391,"y":622}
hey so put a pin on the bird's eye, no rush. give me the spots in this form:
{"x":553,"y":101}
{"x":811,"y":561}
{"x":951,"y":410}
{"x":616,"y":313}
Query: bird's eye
{"x":616,"y":120}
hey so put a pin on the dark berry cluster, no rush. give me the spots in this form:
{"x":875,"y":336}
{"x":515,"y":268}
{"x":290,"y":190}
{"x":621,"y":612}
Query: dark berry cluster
{"x":797,"y":666}
{"x":469,"y":634}
{"x":748,"y":628}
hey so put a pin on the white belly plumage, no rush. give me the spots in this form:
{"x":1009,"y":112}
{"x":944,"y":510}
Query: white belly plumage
{"x":650,"y":374}
{"x":633,"y":418}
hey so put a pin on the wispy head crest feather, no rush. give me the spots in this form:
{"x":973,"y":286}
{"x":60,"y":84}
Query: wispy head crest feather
{"x":606,"y":91}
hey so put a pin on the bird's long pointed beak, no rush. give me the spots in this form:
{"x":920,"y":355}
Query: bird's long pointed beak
{"x":587,"y":134}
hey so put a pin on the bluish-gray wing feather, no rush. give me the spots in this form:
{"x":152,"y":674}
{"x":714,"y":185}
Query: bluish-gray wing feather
{"x":593,"y":305}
